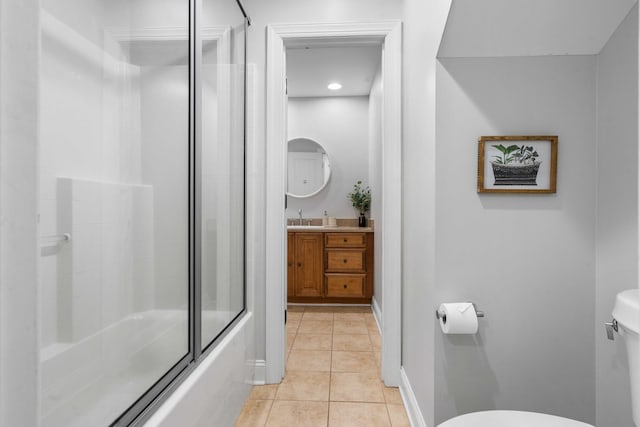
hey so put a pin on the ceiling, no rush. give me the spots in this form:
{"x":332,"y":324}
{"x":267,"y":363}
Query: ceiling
{"x":530,"y":27}
{"x":311,"y":68}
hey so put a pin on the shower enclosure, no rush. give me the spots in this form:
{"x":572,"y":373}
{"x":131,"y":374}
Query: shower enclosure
{"x":141,"y":199}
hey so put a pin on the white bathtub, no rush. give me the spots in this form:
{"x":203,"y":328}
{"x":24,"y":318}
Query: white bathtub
{"x":92,"y":381}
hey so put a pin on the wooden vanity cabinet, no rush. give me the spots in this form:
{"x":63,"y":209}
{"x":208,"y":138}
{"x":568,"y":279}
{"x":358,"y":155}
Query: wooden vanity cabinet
{"x":330,"y":267}
{"x":305,"y":259}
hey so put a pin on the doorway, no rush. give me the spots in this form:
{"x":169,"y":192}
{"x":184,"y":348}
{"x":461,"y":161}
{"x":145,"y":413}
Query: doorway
{"x":279,"y":38}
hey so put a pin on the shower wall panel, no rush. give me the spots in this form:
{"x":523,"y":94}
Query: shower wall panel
{"x":106,"y":272}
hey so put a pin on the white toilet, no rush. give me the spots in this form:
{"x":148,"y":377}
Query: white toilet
{"x":626,"y":313}
{"x":511,"y":419}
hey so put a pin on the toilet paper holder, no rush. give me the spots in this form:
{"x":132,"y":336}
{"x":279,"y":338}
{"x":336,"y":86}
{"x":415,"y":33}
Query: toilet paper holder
{"x":440,"y":314}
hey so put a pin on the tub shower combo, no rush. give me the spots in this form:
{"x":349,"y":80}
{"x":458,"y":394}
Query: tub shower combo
{"x":141,"y":200}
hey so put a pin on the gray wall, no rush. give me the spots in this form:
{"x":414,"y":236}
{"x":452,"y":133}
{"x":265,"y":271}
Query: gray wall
{"x":375,"y":179}
{"x":527,"y":260}
{"x":340,"y":125}
{"x":617,"y":215}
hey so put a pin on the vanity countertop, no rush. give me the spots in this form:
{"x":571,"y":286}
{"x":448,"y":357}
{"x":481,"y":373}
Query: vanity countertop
{"x":328,"y":229}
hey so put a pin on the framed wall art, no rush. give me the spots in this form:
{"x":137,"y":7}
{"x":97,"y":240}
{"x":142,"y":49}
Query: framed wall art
{"x":517,"y":164}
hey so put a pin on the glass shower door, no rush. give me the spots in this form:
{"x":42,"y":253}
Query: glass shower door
{"x":114,"y":205}
{"x":221,"y":152}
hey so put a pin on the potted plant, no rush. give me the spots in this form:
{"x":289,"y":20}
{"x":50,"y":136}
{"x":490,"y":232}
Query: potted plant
{"x":518,"y":165}
{"x":360,"y":198}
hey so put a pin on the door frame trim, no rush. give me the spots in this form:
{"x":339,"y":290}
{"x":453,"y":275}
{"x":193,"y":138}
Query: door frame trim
{"x":389,"y":34}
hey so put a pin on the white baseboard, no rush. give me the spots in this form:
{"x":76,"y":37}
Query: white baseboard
{"x":260,"y":372}
{"x":410,"y":402}
{"x":377,"y":313}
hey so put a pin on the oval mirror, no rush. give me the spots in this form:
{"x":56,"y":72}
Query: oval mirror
{"x":308,"y":168}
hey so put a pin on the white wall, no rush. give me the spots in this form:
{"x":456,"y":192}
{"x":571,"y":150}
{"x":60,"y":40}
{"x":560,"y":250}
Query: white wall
{"x":527,"y":261}
{"x":340,"y":125}
{"x":375,"y":178}
{"x":19,"y":50}
{"x":617,"y":214}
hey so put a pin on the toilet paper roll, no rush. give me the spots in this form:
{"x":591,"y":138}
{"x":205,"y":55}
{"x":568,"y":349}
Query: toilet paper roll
{"x":458,"y":318}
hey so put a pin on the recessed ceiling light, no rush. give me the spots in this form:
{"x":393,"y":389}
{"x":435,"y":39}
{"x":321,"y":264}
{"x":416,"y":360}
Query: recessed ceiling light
{"x":334,"y":86}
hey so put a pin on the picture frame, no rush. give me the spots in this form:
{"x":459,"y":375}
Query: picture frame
{"x":517,"y":164}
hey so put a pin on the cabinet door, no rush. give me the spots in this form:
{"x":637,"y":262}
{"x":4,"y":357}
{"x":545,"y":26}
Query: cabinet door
{"x":308,"y":265}
{"x":291,"y":292}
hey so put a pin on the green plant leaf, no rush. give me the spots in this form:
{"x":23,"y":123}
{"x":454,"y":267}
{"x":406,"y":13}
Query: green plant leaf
{"x":512,"y":148}
{"x":500,"y":148}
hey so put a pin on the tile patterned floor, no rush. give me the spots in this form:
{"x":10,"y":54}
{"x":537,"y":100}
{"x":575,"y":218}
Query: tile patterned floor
{"x":332,"y":376}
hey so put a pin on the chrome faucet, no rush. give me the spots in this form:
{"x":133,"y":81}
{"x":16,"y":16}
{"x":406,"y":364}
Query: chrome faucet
{"x":300,"y":216}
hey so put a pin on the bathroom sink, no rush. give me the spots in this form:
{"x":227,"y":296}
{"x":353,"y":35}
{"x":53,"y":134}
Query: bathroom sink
{"x":305,"y":227}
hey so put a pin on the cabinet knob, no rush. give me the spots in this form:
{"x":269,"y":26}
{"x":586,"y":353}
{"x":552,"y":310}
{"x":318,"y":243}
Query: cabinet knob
{"x":299,"y":264}
{"x":289,"y":265}
{"x":344,"y":260}
{"x":345,"y":286}
{"x":345,"y":240}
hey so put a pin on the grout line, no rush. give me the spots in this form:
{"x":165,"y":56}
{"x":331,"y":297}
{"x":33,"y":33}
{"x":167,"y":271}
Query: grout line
{"x":269,"y":413}
{"x":333,"y":331}
{"x":388,"y":414}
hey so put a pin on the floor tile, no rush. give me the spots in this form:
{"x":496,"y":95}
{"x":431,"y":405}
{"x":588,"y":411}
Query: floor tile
{"x":295,"y":316}
{"x":350,"y":327}
{"x":263,"y":392}
{"x":319,"y":309}
{"x":309,"y":360}
{"x":313,"y":342}
{"x":290,"y":340}
{"x":254,"y":413}
{"x":377,"y":355}
{"x":392,"y":395}
{"x":315,"y":327}
{"x":312,"y":315}
{"x":398,"y":416}
{"x":302,"y":385}
{"x":333,"y":353}
{"x":352,"y":342}
{"x":376,"y":342}
{"x":353,"y":361}
{"x":352,"y":309}
{"x":356,"y":387}
{"x":344,"y":414}
{"x":358,"y":317}
{"x":369,"y":317}
{"x":286,"y":413}
{"x":292,"y":326}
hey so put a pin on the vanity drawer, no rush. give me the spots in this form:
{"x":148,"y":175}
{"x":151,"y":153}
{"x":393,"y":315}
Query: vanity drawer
{"x":345,"y":240}
{"x":347,"y":260}
{"x":345,"y":285}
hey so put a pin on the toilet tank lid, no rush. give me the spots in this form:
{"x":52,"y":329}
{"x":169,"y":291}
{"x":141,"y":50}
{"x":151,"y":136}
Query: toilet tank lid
{"x":627,"y":309}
